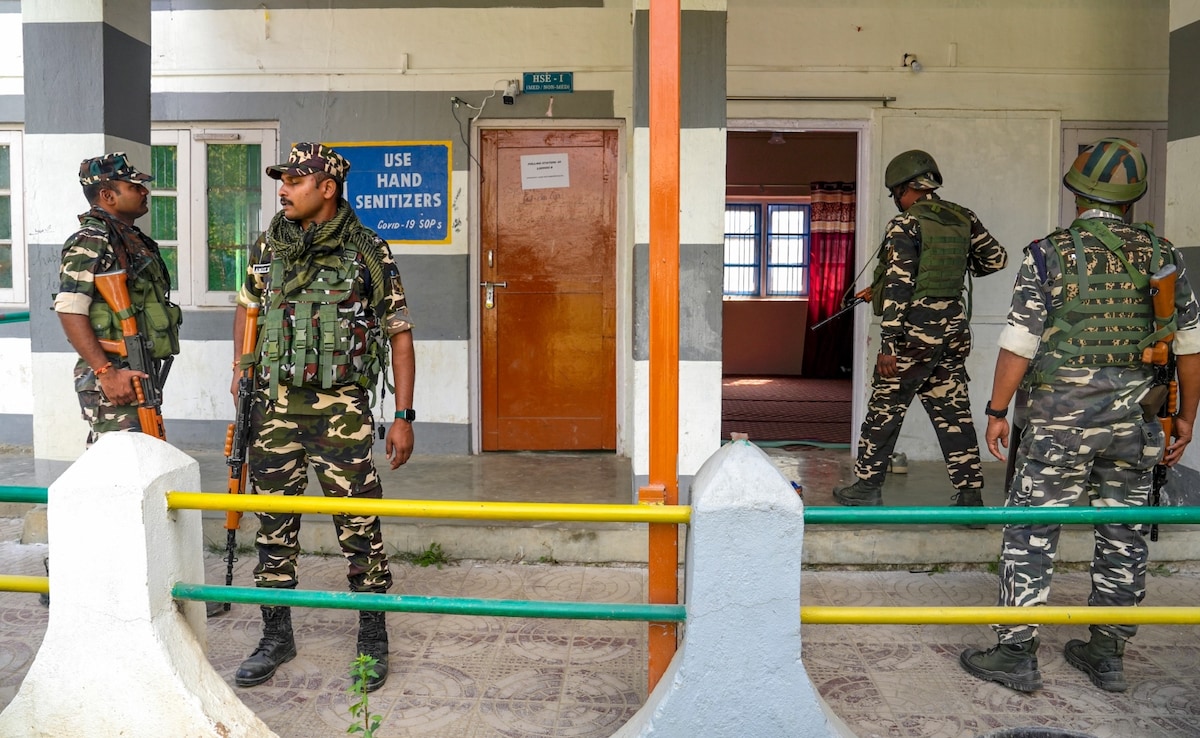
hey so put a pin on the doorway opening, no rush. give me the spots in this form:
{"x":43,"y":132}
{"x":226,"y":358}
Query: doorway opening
{"x":790,"y":237}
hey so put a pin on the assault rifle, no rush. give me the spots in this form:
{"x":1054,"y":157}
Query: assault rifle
{"x":859,"y":298}
{"x":1164,"y":391}
{"x":237,"y":440}
{"x":136,"y":352}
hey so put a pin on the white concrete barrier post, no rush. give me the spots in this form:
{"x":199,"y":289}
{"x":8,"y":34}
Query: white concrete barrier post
{"x":120,"y":655}
{"x":738,"y":671}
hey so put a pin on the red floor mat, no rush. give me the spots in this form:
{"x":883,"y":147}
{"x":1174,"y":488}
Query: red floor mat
{"x":786,"y":409}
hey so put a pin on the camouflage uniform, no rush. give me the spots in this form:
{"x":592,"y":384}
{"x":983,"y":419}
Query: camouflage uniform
{"x":1084,"y":433}
{"x":333,"y":429}
{"x":90,"y":251}
{"x":930,"y":338}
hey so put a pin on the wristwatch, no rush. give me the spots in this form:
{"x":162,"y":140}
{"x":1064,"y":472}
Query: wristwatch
{"x":987,"y":410}
{"x":406,"y":414}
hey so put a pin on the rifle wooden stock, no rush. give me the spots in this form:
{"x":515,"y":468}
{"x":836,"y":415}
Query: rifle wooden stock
{"x":237,"y":441}
{"x":1162,"y":296}
{"x":113,"y":288}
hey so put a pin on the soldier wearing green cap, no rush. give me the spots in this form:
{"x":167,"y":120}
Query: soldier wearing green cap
{"x":1081,"y":315}
{"x":332,"y":312}
{"x":108,"y":241}
{"x":925,"y":333}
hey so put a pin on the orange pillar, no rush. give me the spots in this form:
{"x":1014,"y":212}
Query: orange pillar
{"x":664,"y":320}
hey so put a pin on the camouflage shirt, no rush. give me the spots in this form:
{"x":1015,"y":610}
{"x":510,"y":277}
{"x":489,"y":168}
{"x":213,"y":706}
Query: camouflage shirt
{"x":391,"y":311}
{"x":87,"y":253}
{"x":927,"y":320}
{"x":1094,"y":396}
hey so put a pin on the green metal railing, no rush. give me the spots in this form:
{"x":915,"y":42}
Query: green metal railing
{"x":423,"y":604}
{"x":30,"y":495}
{"x":14,"y":317}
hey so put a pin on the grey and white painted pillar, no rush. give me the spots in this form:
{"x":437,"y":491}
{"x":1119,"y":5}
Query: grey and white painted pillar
{"x":87,"y":92}
{"x":1182,"y":222}
{"x":701,"y":235}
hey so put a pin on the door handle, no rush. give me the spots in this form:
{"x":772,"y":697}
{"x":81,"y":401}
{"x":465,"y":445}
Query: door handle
{"x":489,"y":298}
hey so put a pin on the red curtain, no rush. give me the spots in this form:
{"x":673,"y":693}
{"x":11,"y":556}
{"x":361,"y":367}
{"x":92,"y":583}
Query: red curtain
{"x":829,"y":352}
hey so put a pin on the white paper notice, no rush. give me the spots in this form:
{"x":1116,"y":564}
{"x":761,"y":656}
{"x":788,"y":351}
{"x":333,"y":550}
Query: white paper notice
{"x":543,"y":171}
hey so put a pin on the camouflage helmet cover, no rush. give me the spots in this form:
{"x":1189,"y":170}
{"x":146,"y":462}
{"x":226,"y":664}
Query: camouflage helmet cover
{"x":310,"y":158}
{"x":910,"y":165}
{"x":1111,"y":170}
{"x":114,"y":166}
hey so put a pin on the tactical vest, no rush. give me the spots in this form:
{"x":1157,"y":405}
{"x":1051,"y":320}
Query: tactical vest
{"x":945,"y":244}
{"x":149,"y":285}
{"x":1106,"y":317}
{"x":322,"y":335}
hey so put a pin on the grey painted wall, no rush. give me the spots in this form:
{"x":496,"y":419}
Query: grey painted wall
{"x":700,"y":278}
{"x":1183,"y":87}
{"x":701,"y":73}
{"x":115,"y":91}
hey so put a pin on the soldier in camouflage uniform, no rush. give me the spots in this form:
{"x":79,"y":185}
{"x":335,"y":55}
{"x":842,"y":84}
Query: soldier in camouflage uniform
{"x":925,"y":334}
{"x":332,"y":305}
{"x":1081,"y":315}
{"x":107,"y":241}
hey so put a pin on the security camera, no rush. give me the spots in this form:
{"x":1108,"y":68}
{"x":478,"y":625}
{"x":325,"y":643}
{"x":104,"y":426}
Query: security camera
{"x":511,"y":91}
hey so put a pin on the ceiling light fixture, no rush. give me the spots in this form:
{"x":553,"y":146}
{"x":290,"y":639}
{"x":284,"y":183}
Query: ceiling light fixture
{"x":776,"y":139}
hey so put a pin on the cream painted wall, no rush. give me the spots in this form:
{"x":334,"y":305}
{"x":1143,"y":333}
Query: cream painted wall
{"x":1004,"y":168}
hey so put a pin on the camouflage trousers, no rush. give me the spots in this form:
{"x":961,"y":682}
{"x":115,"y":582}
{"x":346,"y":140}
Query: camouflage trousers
{"x":1055,"y":465}
{"x":339,"y":449}
{"x":101,"y":415}
{"x":938,"y":375}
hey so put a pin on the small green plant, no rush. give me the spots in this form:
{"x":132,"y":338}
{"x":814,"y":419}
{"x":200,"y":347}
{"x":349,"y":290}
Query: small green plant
{"x":1160,"y":570}
{"x":548,"y":559}
{"x":432,"y":556}
{"x":993,"y":567}
{"x":362,"y":669}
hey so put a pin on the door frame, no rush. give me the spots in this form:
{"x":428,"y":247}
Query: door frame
{"x":624,"y":267}
{"x":864,"y":216}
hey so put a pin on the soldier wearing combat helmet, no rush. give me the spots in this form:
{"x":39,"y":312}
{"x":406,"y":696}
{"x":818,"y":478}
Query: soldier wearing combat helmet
{"x":108,"y":241}
{"x":333,"y":319}
{"x":1081,"y":316}
{"x":925,"y":337}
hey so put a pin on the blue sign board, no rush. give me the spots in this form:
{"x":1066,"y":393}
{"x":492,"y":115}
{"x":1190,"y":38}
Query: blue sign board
{"x":535,"y":83}
{"x":401,"y":189}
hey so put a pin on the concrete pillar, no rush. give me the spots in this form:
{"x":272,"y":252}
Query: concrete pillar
{"x":87,"y":92}
{"x":738,"y":672}
{"x":701,"y":235}
{"x":120,"y":655}
{"x":1182,"y":221}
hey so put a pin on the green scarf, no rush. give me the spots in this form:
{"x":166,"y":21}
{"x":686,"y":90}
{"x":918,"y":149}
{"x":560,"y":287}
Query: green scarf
{"x":304,"y":253}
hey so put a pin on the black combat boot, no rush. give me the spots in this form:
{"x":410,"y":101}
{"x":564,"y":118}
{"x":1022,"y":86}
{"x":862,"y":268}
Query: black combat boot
{"x":970,"y":497}
{"x":44,"y":597}
{"x":1101,"y":658}
{"x":861,"y":493}
{"x":373,"y":642}
{"x":277,"y":647}
{"x":1013,"y":665}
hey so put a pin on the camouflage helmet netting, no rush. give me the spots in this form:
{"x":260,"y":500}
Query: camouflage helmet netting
{"x":1111,"y":170}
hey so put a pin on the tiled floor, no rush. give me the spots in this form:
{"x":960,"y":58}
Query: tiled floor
{"x":906,"y":680}
{"x":486,"y":677}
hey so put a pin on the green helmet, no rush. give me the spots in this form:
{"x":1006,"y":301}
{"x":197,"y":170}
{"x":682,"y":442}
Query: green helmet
{"x":908,"y":166}
{"x":1112,"y":170}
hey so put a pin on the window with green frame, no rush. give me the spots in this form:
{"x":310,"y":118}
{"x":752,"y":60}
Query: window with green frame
{"x":766,"y":249}
{"x":210,"y":199}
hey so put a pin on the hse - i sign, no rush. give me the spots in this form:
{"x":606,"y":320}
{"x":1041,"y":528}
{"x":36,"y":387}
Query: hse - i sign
{"x":400,"y":189}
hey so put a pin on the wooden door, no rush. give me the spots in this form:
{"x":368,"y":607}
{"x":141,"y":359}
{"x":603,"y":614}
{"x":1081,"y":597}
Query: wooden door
{"x":548,"y":262}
